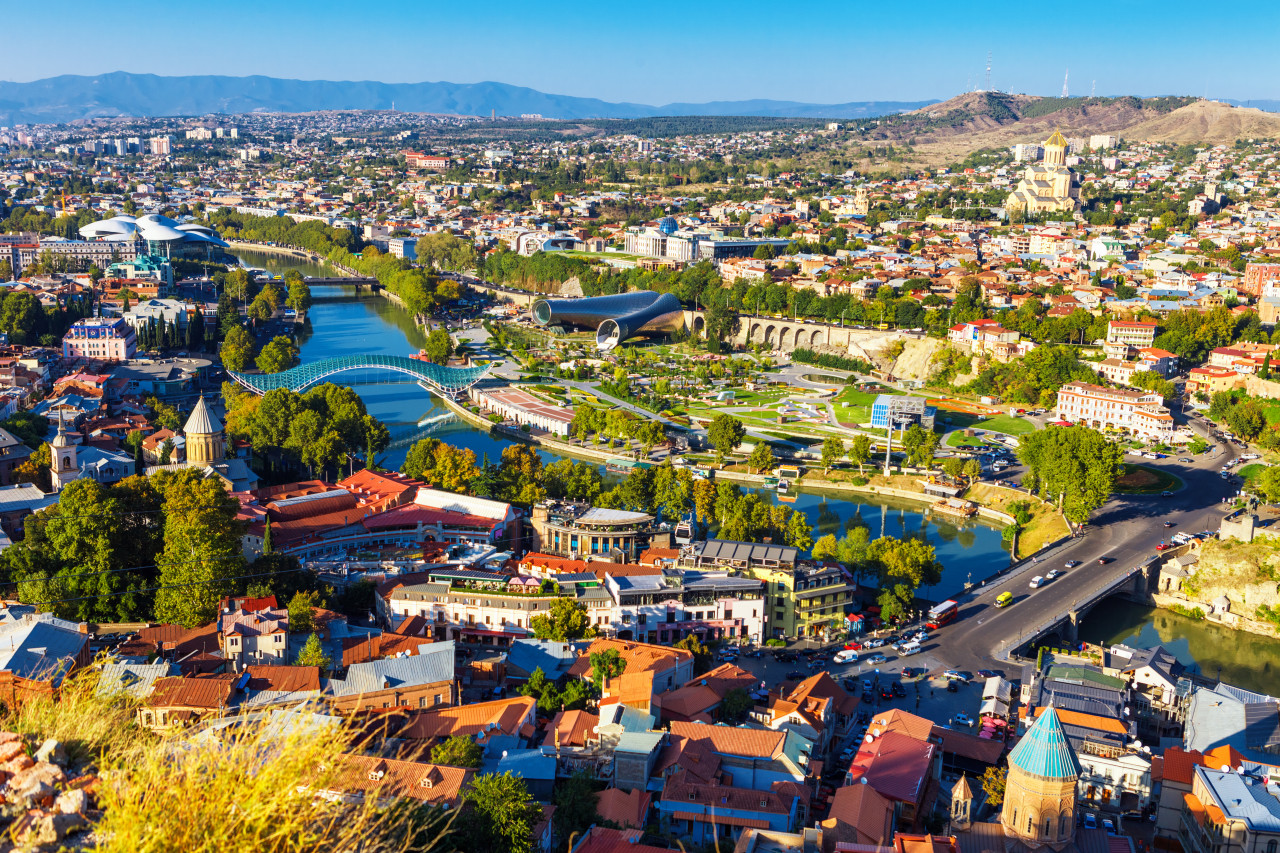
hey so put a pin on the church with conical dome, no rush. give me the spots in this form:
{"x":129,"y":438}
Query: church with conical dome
{"x":1049,"y":185}
{"x":1039,"y":808}
{"x":204,"y":436}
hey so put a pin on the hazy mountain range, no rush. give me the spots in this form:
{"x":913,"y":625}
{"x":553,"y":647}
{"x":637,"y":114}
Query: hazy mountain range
{"x":73,"y":97}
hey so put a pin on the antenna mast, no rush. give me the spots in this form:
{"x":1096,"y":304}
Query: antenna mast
{"x":987,"y":85}
{"x":1064,"y":83}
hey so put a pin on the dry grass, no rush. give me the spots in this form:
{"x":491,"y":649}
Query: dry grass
{"x":1047,"y":524}
{"x":255,"y":785}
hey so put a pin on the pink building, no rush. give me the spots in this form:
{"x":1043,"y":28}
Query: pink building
{"x":104,"y":338}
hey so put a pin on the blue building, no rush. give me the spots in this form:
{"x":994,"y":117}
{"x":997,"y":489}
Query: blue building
{"x":903,"y":411}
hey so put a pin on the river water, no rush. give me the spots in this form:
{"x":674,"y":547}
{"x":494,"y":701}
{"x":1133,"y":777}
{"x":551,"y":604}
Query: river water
{"x":343,"y":322}
{"x":1246,"y":660}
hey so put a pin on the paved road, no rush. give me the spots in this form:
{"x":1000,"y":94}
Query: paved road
{"x":1125,"y":531}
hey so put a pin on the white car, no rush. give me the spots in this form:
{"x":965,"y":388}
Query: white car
{"x":873,"y":643}
{"x":845,"y":656}
{"x":962,"y":719}
{"x":1037,"y":582}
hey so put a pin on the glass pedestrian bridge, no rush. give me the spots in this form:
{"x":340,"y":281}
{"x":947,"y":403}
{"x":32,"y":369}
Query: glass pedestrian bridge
{"x":434,"y":377}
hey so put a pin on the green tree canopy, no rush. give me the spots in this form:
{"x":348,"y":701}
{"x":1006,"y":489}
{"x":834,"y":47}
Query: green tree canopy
{"x":725,"y":433}
{"x":567,"y":620}
{"x":458,"y":751}
{"x":1074,"y":464}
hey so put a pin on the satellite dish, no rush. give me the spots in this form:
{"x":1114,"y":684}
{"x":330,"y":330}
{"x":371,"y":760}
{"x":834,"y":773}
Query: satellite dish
{"x":863,"y":780}
{"x":868,"y":738}
{"x":1226,"y":768}
{"x":1137,"y":743}
{"x":1240,"y":769}
{"x":875,"y":733}
{"x":1147,"y":750}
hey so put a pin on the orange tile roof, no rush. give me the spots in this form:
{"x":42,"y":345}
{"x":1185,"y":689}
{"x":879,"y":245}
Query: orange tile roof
{"x":601,"y":840}
{"x":681,"y":788}
{"x":904,"y":722}
{"x":389,"y":777}
{"x":859,"y":814}
{"x":286,"y":678}
{"x":633,"y":689}
{"x":729,"y":740}
{"x":201,"y":691}
{"x":574,"y":728}
{"x":625,"y":808}
{"x":510,"y":715}
{"x":640,"y":657}
{"x":823,"y":686}
{"x":1085,"y":721}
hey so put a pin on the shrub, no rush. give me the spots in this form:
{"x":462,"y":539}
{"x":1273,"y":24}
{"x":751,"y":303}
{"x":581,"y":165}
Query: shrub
{"x":775,"y":643}
{"x":1189,"y":612}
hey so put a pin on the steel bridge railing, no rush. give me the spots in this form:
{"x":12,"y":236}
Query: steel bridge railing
{"x":446,"y":380}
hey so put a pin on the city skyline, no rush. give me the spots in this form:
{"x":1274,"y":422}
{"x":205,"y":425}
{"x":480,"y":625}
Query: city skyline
{"x":835,"y":53}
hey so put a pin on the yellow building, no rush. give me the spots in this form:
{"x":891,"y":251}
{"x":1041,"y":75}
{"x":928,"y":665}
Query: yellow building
{"x":1049,"y":185}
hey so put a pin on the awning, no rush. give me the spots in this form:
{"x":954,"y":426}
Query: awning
{"x":482,"y":632}
{"x":997,"y":688}
{"x":994,"y":706}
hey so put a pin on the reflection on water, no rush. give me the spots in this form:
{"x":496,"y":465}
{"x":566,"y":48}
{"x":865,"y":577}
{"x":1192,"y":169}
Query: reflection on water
{"x":1247,"y":660}
{"x":277,"y":264}
{"x":346,"y":323}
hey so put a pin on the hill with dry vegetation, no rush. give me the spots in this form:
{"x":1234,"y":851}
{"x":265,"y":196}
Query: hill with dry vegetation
{"x":950,"y":130}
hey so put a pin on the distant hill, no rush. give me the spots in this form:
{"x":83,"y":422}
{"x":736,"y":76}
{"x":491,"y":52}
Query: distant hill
{"x":72,"y":98}
{"x":946,"y":131}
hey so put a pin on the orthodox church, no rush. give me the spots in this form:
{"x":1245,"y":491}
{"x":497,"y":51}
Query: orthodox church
{"x":1049,"y":185}
{"x":206,"y":450}
{"x":1039,"y":809}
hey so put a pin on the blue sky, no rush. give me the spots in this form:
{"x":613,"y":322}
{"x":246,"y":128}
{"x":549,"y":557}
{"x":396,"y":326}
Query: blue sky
{"x":820,"y":51}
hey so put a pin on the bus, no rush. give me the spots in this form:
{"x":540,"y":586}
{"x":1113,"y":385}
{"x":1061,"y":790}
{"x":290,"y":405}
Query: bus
{"x":942,"y":614}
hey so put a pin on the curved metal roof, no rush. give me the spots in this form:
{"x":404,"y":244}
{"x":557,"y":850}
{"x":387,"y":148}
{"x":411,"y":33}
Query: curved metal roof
{"x":1044,"y":751}
{"x":439,"y":377}
{"x":159,"y":231}
{"x":157,"y":219}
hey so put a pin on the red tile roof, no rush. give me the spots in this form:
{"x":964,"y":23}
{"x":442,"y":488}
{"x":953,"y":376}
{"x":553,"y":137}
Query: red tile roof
{"x":202,"y":691}
{"x":895,"y":764}
{"x":729,"y":740}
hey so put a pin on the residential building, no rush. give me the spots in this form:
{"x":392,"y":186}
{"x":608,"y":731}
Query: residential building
{"x":1230,"y":809}
{"x":1258,"y":277}
{"x":1141,"y":413}
{"x":900,"y":768}
{"x":390,"y":780}
{"x":255,"y":636}
{"x":755,"y":758}
{"x":707,"y":814}
{"x":100,"y":338}
{"x":425,"y":680}
{"x":1135,"y":334}
{"x":985,"y":336}
{"x":523,"y":408}
{"x":1211,"y":380}
{"x":37,"y":652}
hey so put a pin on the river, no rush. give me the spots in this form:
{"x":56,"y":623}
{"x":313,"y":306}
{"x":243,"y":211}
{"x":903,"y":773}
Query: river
{"x":1246,"y":660}
{"x":343,"y":322}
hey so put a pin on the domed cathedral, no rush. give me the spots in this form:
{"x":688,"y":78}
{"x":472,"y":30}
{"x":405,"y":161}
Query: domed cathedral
{"x":1040,"y":792}
{"x":205,"y":442}
{"x":1049,"y":185}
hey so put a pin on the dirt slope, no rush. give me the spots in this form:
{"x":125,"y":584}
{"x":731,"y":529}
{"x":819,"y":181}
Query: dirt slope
{"x":1208,"y":122}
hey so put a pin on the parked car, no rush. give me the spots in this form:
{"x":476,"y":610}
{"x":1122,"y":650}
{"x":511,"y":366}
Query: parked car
{"x":873,"y":643}
{"x":845,"y":656}
{"x":986,"y":673}
{"x":956,"y":675}
{"x":1109,"y":826}
{"x":1090,"y":820}
{"x":1163,"y":546}
{"x":854,"y":644}
{"x":876,"y":659}
{"x":912,"y":671}
{"x":1166,"y":494}
{"x":796,"y":675}
{"x":898,"y":690}
{"x":953,"y":687}
{"x":962,"y":719}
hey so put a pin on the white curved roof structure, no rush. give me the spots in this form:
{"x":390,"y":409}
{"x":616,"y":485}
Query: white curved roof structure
{"x":153,"y":228}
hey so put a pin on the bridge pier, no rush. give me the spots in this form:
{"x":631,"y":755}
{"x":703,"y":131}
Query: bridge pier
{"x":1071,"y":626}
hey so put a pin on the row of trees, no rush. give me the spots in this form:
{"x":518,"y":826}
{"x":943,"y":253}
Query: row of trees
{"x":318,"y":430}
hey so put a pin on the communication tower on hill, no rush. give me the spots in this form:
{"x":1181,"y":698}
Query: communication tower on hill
{"x":1064,"y":83}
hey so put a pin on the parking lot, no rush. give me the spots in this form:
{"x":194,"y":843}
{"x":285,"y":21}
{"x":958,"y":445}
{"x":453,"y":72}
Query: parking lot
{"x":925,"y":693}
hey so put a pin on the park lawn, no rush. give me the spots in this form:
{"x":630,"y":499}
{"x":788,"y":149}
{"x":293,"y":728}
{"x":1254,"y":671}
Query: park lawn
{"x":1145,"y":480}
{"x":1250,"y":472}
{"x":1047,"y":524}
{"x":959,"y":439}
{"x":1006,"y":424}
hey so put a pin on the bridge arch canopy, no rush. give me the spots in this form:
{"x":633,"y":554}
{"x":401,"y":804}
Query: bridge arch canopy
{"x":441,"y":378}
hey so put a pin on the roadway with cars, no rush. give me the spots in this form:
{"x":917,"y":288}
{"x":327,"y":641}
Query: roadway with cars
{"x":1125,"y":532}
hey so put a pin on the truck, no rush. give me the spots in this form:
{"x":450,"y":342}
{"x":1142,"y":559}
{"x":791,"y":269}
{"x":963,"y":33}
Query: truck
{"x":942,"y":614}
